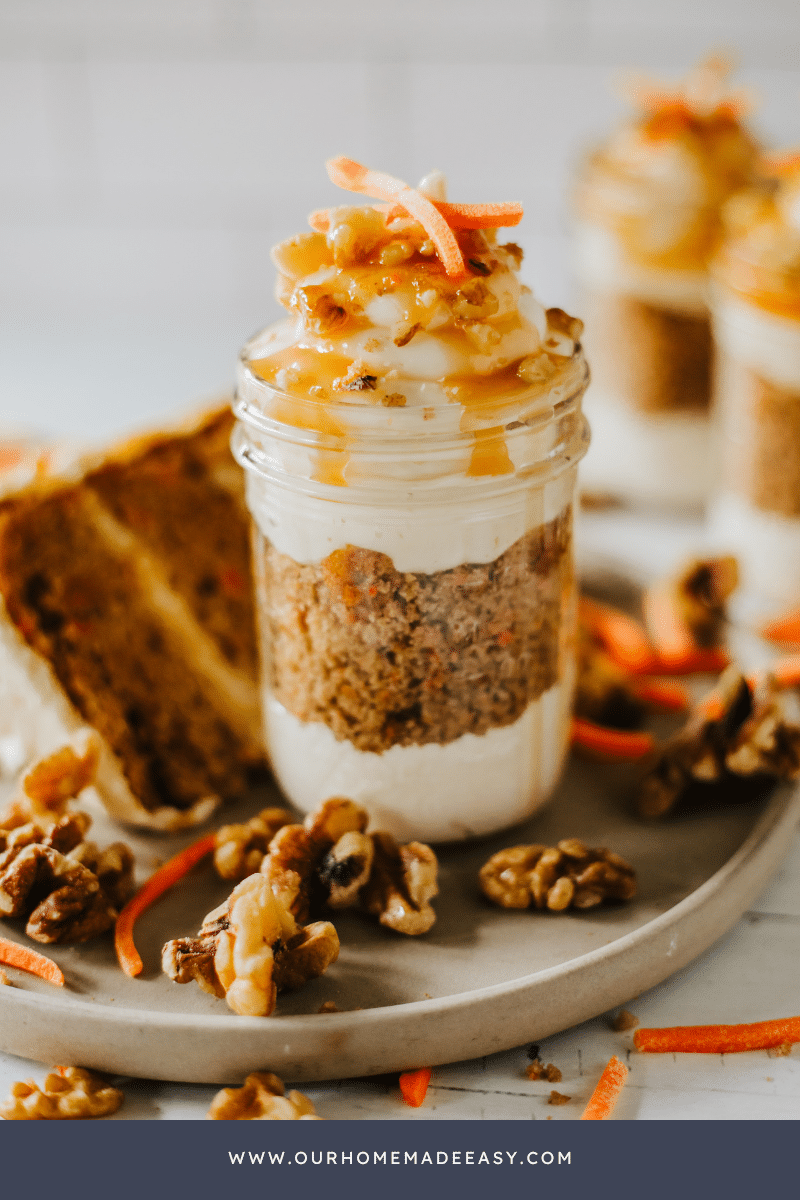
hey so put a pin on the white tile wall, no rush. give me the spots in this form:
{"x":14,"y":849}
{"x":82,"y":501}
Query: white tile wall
{"x":153,"y":150}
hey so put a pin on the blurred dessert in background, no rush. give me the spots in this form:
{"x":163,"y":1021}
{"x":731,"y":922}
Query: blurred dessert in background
{"x":756,"y":305}
{"x":648,"y":203}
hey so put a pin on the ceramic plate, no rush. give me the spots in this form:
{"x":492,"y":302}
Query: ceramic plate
{"x":483,"y":980}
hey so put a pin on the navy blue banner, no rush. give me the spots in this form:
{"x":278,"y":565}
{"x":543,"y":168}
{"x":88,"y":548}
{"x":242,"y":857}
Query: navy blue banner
{"x":406,"y":1160}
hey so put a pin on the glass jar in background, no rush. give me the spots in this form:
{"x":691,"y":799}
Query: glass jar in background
{"x":648,"y":220}
{"x":756,"y":305}
{"x":416,"y":592}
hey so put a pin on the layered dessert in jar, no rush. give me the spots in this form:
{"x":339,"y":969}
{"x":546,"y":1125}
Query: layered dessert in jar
{"x":648,"y":223}
{"x":411,"y":433}
{"x":756,"y":301}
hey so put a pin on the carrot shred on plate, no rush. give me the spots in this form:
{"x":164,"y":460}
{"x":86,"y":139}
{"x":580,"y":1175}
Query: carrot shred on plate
{"x":605,"y":1095}
{"x":718,"y":1039}
{"x":615,"y":745}
{"x":666,"y":695}
{"x":163,"y":879}
{"x":14,"y":955}
{"x":784,"y":629}
{"x":414,"y":1086}
{"x":786,"y":671}
{"x":623,"y":638}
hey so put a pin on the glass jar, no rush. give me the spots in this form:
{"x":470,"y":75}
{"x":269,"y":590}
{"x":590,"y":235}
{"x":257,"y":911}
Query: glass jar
{"x":648,"y":220}
{"x":416,"y":596}
{"x":756,"y":305}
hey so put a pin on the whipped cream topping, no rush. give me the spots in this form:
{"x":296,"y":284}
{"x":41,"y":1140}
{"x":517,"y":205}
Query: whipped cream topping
{"x":660,"y":180}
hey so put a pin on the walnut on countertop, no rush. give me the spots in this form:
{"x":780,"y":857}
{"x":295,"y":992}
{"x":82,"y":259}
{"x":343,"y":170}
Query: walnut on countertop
{"x":537,"y":1070}
{"x":51,"y":782}
{"x":261,"y":1098}
{"x":66,"y":887}
{"x":68,"y":1094}
{"x":746,"y":742}
{"x":241,"y":849}
{"x":250,"y":948}
{"x":569,"y":875}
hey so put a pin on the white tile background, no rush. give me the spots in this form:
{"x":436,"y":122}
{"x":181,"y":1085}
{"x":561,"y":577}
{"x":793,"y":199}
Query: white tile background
{"x":152,"y":150}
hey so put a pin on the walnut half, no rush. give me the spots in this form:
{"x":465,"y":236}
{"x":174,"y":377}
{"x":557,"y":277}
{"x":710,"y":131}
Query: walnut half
{"x":261,"y":1098}
{"x":68,"y":1094}
{"x":250,"y":948}
{"x":569,"y":875}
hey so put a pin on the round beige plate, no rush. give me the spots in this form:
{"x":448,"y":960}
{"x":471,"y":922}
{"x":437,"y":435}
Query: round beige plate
{"x":482,"y":980}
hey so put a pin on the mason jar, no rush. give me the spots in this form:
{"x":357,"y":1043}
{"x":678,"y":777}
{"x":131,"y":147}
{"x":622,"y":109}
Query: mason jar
{"x":647,"y":222}
{"x":416,"y":596}
{"x":756,"y":305}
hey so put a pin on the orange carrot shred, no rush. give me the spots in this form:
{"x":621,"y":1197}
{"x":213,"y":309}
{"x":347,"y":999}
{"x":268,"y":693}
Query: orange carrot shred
{"x":786,"y":671}
{"x":615,"y":745}
{"x":701,"y":660}
{"x":414,"y":1086}
{"x":354,"y":178}
{"x":663,"y":694}
{"x":621,"y":636}
{"x":14,"y":955}
{"x":605,"y":1095}
{"x":718,"y":1039}
{"x":163,"y":879}
{"x":784,"y":629}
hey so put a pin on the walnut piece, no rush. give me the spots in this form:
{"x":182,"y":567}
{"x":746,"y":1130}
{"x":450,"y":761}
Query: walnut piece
{"x":703,"y":589}
{"x":240,"y":849}
{"x":569,"y":875}
{"x":537,"y":1070}
{"x":261,"y":1098}
{"x":747,"y":742}
{"x":51,"y":782}
{"x":402,"y":882}
{"x":68,"y":889}
{"x":558,"y":1098}
{"x":624,"y":1021}
{"x":250,"y":948}
{"x":68,"y":1094}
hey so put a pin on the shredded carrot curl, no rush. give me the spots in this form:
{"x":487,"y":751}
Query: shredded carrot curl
{"x":621,"y":636}
{"x":613,"y":745}
{"x":414,"y":1086}
{"x":163,"y":879}
{"x":718,"y":1039}
{"x":605,"y":1095}
{"x":14,"y":955}
{"x":785,"y":629}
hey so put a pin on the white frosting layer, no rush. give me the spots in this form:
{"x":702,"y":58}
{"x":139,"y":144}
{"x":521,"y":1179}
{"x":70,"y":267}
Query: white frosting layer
{"x":768,"y":344}
{"x":650,"y":458}
{"x":467,"y":788}
{"x":465,"y":528}
{"x":601,"y":263}
{"x":766,"y":544}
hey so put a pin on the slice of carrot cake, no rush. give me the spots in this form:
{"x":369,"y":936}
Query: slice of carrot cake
{"x":126,"y":607}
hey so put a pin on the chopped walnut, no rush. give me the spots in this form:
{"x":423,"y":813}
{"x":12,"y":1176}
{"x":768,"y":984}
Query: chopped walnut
{"x":321,"y":310}
{"x":393,"y":400}
{"x":51,"y":783}
{"x":241,"y":849}
{"x":405,"y":336}
{"x":537,"y":1070}
{"x":261,"y":1098}
{"x":569,"y":875}
{"x":702,"y":591}
{"x":474,"y":301}
{"x":68,"y":889}
{"x":356,"y":379}
{"x":558,"y":1098}
{"x":624,"y":1021}
{"x":746,"y":743}
{"x":561,"y":322}
{"x":4,"y":980}
{"x":401,"y":885}
{"x":328,"y":1006}
{"x":781,"y":1051}
{"x":537,"y":368}
{"x":68,"y":1094}
{"x":250,"y":948}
